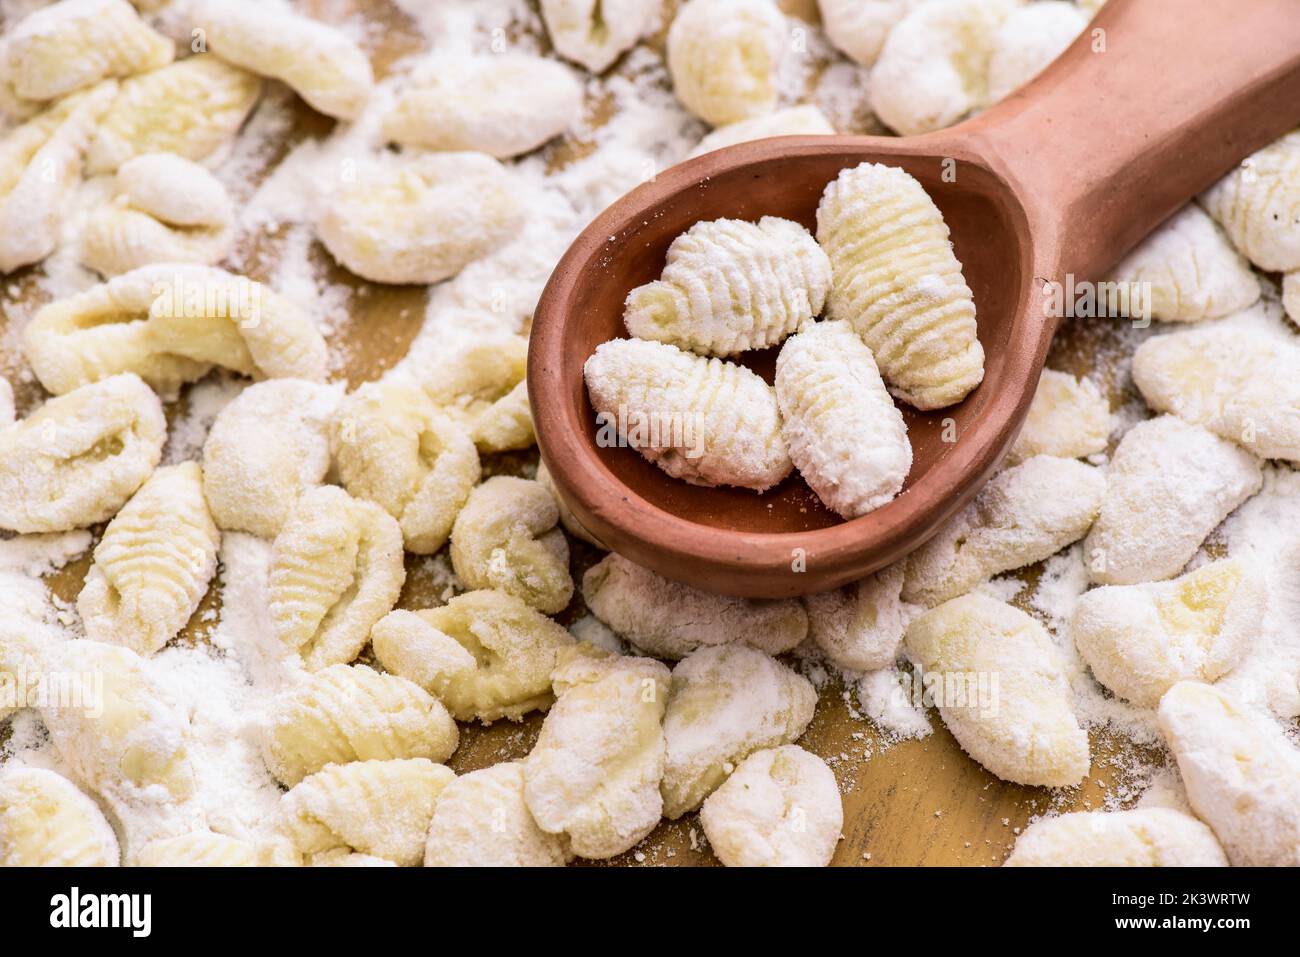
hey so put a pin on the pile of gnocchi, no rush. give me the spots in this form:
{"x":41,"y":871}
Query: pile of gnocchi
{"x":659,"y":701}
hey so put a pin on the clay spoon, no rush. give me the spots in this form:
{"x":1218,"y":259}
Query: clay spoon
{"x":1151,"y":105}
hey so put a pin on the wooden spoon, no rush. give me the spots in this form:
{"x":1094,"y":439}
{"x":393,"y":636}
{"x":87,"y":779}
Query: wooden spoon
{"x":1152,"y":104}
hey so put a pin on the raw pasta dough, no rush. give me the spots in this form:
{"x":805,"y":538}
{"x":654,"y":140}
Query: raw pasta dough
{"x":670,"y":620}
{"x":595,"y":33}
{"x":1258,"y":205}
{"x":482,"y":386}
{"x":1068,"y":417}
{"x":46,"y":822}
{"x":1012,"y":708}
{"x":723,"y":56}
{"x":896,"y":281}
{"x":1028,"y":40}
{"x":153,"y":565}
{"x":481,"y":820}
{"x":844,"y":434}
{"x":860,"y":626}
{"x":859,"y":28}
{"x":1144,"y":837}
{"x":795,"y":120}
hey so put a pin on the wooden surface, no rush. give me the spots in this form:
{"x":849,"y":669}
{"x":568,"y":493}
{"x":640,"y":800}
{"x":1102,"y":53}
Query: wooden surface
{"x":915,"y":802}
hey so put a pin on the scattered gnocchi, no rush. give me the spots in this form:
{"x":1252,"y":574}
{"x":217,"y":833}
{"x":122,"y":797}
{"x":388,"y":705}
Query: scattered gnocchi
{"x":860,"y":626}
{"x":723,"y":56}
{"x":480,"y":820}
{"x":1068,"y":417}
{"x":46,"y":822}
{"x":595,"y":33}
{"x":1258,"y":205}
{"x":1143,"y":837}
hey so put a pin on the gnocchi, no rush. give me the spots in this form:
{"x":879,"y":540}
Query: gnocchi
{"x":336,"y":569}
{"x":78,"y":458}
{"x":933,"y":67}
{"x":74,"y":44}
{"x":1258,"y":205}
{"x":1241,"y":772}
{"x":348,"y":713}
{"x":505,"y":538}
{"x":485,"y":654}
{"x":859,"y":28}
{"x":727,"y":702}
{"x":40,"y":167}
{"x":46,"y":822}
{"x":595,"y":33}
{"x":1143,"y":837}
{"x":1141,"y":640}
{"x":804,"y":120}
{"x":1169,"y":485}
{"x":1068,"y":417}
{"x":1241,"y":384}
{"x":1025,"y":514}
{"x":1011,"y":708}
{"x":705,"y":421}
{"x":780,"y":808}
{"x":473,"y":103}
{"x":319,"y":63}
{"x":392,"y":446}
{"x":1191,"y":270}
{"x":894,"y":278}
{"x":860,"y":626}
{"x":153,"y":564}
{"x":723,"y":56}
{"x":265,"y":449}
{"x":192,"y":108}
{"x":593,"y":775}
{"x":844,"y":433}
{"x":671,"y":620}
{"x":199,"y":849}
{"x":1028,"y":40}
{"x":730,"y":286}
{"x":482,"y":386}
{"x":419,"y":217}
{"x":379,"y":808}
{"x":167,"y":209}
{"x":481,"y":820}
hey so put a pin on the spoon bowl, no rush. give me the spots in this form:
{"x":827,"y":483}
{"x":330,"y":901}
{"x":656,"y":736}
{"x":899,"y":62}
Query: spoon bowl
{"x":1026,"y":203}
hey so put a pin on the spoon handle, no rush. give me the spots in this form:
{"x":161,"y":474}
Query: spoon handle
{"x":1153,"y":103}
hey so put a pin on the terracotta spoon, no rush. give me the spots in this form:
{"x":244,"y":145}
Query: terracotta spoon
{"x":1061,"y":179}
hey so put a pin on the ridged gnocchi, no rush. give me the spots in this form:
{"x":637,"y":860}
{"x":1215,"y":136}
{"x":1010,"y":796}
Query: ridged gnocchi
{"x":170,"y":323}
{"x":1258,"y":205}
{"x":859,"y":28}
{"x":730,"y":286}
{"x":78,"y":458}
{"x":860,"y":626}
{"x":166,"y":209}
{"x":199,"y":849}
{"x":844,"y":433}
{"x":1191,"y":270}
{"x":705,"y":421}
{"x":192,"y":108}
{"x":336,"y":569}
{"x":1025,"y":514}
{"x":780,"y":808}
{"x":1143,"y":837}
{"x":1241,"y":771}
{"x":380,"y":808}
{"x":265,"y":449}
{"x":723,"y":56}
{"x":153,"y":564}
{"x":933,"y":68}
{"x":670,"y":620}
{"x":1021,"y":725}
{"x":803,"y":120}
{"x":134,"y":749}
{"x":348,"y":713}
{"x":319,"y":63}
{"x":505,"y":537}
{"x":485,"y":654}
{"x":481,"y":820}
{"x":419,"y":217}
{"x":392,"y":446}
{"x":482,"y":385}
{"x":1141,"y":640}
{"x":1028,"y":40}
{"x":1241,"y":384}
{"x":727,"y":702}
{"x":46,"y":822}
{"x":74,"y":44}
{"x":595,"y":33}
{"x":895,"y":279}
{"x":594,"y":773}
{"x":473,"y":103}
{"x":1068,"y":417}
{"x":40,"y":167}
{"x":1169,"y":485}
